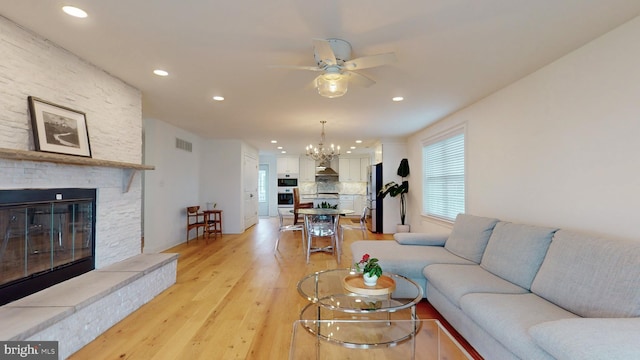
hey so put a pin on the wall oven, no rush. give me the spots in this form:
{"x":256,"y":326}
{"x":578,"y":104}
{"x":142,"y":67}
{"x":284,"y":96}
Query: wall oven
{"x":285,"y":197}
{"x":286,"y":184}
{"x":287,"y":180}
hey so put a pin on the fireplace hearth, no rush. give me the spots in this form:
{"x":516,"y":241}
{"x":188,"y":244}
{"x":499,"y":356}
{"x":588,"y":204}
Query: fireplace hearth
{"x":47,"y":236}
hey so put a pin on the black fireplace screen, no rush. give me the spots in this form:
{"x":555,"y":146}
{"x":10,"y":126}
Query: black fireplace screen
{"x":47,"y":237}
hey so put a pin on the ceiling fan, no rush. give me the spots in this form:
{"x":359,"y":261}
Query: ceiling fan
{"x":333,"y":59}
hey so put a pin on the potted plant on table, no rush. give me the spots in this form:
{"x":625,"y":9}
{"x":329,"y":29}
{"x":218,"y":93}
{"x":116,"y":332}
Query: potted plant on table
{"x":370,"y":268}
{"x":394,"y":189}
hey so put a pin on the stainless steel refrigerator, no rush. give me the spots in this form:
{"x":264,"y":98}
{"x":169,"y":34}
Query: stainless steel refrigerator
{"x":375,"y":202}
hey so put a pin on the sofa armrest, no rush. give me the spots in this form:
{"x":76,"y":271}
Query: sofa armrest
{"x":429,"y":239}
{"x":589,"y":338}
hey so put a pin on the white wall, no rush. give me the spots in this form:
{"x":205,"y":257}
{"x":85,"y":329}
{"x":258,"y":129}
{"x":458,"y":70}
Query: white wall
{"x":212,"y":172}
{"x":559,"y":147}
{"x":220,"y":181}
{"x":171,"y":187}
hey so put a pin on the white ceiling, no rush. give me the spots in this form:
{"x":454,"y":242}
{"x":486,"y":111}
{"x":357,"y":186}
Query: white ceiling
{"x":450,"y":53}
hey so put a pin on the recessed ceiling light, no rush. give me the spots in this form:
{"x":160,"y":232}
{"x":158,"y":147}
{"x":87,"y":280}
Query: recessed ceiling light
{"x":274,"y":141}
{"x":397,"y":98}
{"x":358,"y":141}
{"x":283,"y":152}
{"x":218,"y":98}
{"x":348,"y":151}
{"x":74,"y":11}
{"x":279,"y":148}
{"x":353,"y":147}
{"x":160,"y":72}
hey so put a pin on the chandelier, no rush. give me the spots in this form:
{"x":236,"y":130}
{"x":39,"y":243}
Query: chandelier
{"x":321,"y":153}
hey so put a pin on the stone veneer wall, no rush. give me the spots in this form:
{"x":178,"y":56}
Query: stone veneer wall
{"x":31,"y":65}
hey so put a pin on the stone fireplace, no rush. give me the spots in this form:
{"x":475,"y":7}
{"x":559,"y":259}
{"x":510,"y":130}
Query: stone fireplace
{"x":47,"y":236}
{"x":123,"y":278}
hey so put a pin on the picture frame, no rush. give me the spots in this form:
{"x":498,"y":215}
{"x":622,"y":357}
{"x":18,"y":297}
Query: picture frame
{"x":58,"y":129}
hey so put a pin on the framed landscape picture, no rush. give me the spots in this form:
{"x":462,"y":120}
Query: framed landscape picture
{"x":58,"y":129}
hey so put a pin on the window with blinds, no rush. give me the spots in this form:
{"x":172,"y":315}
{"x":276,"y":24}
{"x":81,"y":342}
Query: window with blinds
{"x":443,"y":179}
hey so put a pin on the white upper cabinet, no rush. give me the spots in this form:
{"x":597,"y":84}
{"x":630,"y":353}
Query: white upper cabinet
{"x":288,"y":165}
{"x":353,"y":169}
{"x":307,"y":169}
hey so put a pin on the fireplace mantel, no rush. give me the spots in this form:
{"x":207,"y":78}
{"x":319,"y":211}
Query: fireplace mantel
{"x":128,"y":169}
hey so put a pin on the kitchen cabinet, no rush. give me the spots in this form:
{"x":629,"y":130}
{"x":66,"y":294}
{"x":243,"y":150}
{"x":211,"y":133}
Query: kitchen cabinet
{"x":288,"y":165}
{"x":346,"y":202}
{"x":354,"y":169}
{"x":349,"y":169}
{"x":307,"y":169}
{"x":359,"y":202}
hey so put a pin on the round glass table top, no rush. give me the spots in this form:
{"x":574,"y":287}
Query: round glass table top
{"x":327,"y":289}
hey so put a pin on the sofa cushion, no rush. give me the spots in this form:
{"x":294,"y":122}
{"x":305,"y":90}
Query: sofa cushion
{"x":469,"y":236}
{"x":455,"y":281}
{"x":406,"y":260}
{"x":507,"y":318}
{"x":589,"y":338}
{"x":515,"y":251}
{"x":591,"y":276}
{"x":430,"y":239}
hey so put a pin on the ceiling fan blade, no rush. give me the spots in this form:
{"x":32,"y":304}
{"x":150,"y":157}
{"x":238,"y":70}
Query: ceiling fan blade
{"x":295,"y":67}
{"x":324,"y":51}
{"x":359,"y":79}
{"x":370,"y":61}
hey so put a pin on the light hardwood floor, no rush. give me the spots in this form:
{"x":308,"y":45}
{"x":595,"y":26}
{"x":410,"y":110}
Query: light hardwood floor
{"x":235,"y":298}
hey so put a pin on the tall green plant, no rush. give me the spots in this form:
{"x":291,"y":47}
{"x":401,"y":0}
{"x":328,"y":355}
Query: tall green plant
{"x":394,"y":189}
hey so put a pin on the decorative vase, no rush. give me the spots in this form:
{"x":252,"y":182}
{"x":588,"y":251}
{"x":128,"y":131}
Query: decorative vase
{"x":370,"y":280}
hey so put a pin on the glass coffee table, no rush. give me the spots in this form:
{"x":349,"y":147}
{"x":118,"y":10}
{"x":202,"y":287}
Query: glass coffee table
{"x":330,"y":339}
{"x":339,"y":294}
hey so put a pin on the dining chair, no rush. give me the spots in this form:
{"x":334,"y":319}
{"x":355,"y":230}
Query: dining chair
{"x":288,"y":227}
{"x":195,"y":220}
{"x":297,"y":205}
{"x":322,"y":226}
{"x":362,"y":225}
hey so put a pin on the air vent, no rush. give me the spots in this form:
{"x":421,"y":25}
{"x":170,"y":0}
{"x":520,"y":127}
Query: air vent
{"x":183,"y":145}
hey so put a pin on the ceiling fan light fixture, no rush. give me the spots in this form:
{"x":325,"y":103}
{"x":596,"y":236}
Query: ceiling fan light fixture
{"x":332,"y":84}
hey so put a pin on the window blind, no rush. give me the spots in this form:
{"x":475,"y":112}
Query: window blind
{"x":443,"y":187}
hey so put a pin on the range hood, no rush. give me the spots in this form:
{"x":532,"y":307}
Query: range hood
{"x":325,"y":171}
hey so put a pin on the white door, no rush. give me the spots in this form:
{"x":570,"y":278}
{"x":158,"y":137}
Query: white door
{"x":250,"y":191}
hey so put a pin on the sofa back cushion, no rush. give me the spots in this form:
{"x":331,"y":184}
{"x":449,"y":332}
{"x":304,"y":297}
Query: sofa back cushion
{"x":515,"y":252}
{"x":591,"y":276}
{"x":469,"y":236}
{"x":427,"y":239}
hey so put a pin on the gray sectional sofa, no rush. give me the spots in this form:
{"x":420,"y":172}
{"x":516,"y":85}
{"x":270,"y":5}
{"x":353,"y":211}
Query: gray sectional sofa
{"x":517,"y":291}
